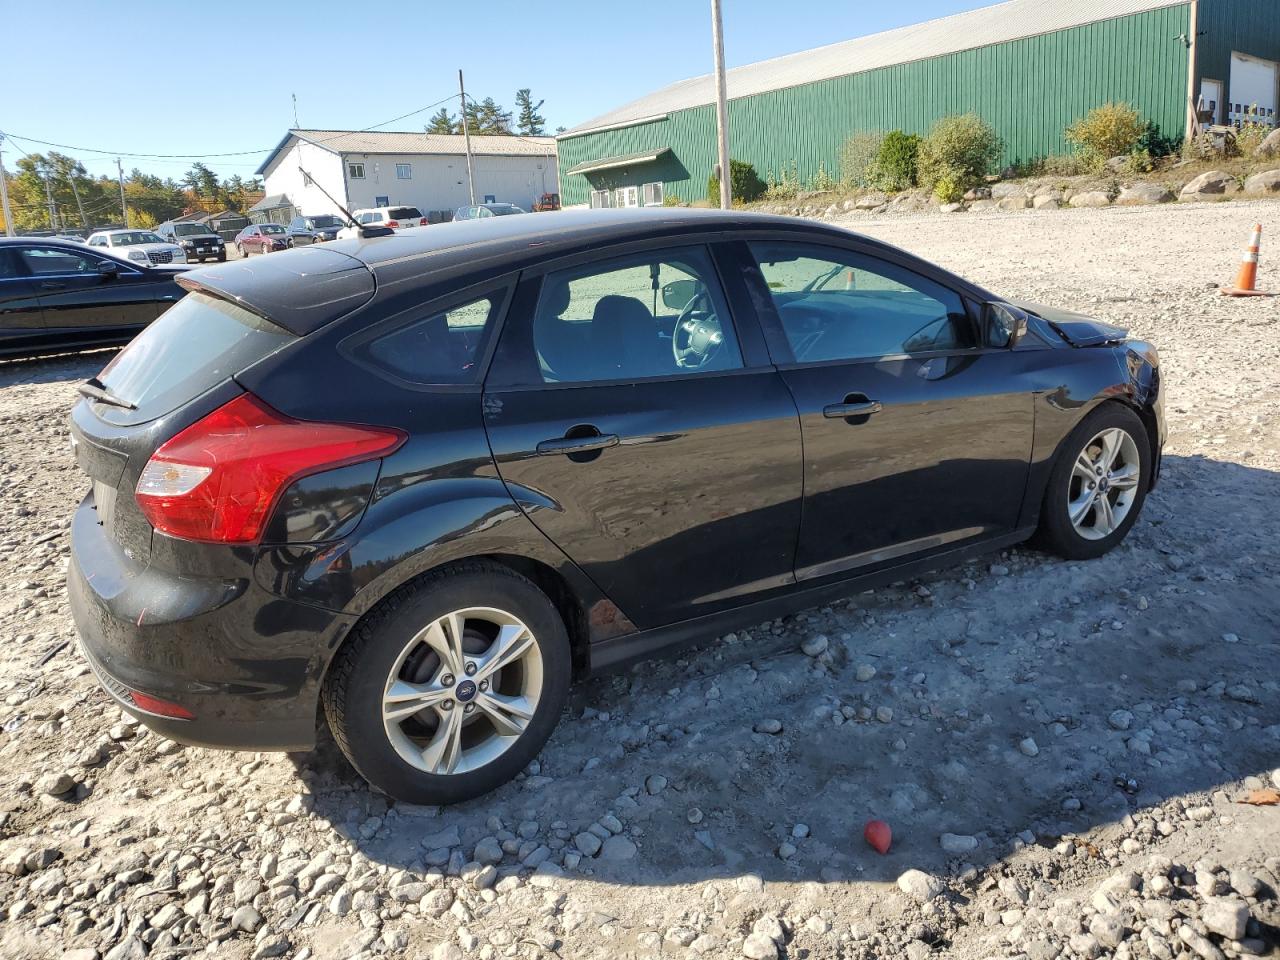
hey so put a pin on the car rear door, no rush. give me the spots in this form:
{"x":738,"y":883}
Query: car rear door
{"x":677,"y":488}
{"x":80,"y":303}
{"x":21,"y":326}
{"x":917,"y":438}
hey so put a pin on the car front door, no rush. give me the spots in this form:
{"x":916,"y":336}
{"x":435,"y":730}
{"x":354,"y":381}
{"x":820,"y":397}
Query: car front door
{"x":80,"y":302}
{"x":20,"y":317}
{"x":669,"y":471}
{"x":917,"y":437}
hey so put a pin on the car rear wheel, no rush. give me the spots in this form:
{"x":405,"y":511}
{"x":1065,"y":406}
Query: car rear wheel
{"x":450,"y":687}
{"x":240,"y":250}
{"x":1098,"y":485}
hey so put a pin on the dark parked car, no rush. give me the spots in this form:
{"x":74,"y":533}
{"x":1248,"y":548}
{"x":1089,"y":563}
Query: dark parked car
{"x":61,"y":295}
{"x":427,"y":479}
{"x":262,"y":238}
{"x":482,"y":210}
{"x":199,"y":242}
{"x":304,"y":230}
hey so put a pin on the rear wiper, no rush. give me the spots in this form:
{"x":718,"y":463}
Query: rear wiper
{"x":95,"y":389}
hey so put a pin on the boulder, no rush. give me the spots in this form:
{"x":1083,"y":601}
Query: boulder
{"x":978,"y":193}
{"x":1093,"y":198}
{"x":1000,"y":191}
{"x":952,"y":208}
{"x":1047,"y":202}
{"x":1141,"y":194}
{"x":1269,"y":147}
{"x":871,"y":201}
{"x":979,"y":205}
{"x":1263,"y":183}
{"x":1014,"y":203}
{"x":1215,"y":183}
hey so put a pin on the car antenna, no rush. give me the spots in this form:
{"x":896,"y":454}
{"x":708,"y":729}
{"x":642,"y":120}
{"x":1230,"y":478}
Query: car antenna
{"x":365,"y":231}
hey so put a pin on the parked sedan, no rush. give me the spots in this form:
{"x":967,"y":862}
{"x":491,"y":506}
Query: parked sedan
{"x":60,"y":295}
{"x":140,"y":246}
{"x":304,"y":230}
{"x":595,"y":439}
{"x":262,"y":238}
{"x":482,"y":210}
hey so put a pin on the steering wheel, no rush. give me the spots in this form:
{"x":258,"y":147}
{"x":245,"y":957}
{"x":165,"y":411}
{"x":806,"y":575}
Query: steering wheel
{"x":697,"y":337}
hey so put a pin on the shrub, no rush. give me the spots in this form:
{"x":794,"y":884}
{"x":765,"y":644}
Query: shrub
{"x":896,"y":163}
{"x":956,"y":155}
{"x":671,"y":200}
{"x":859,"y":159}
{"x":1249,"y":138}
{"x":1112,"y":130}
{"x":1140,"y":161}
{"x":141,"y":219}
{"x":823,"y":182}
{"x":785,"y":186}
{"x":744,"y":183}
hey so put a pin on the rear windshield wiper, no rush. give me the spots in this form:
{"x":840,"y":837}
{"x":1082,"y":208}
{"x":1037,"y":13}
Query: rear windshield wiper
{"x":95,"y":389}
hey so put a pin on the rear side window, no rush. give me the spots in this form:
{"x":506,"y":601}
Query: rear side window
{"x":405,"y":213}
{"x":440,"y":348}
{"x":195,"y":345}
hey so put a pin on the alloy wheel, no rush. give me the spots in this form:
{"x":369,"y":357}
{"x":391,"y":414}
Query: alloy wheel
{"x":1104,"y":484}
{"x":462,"y":691}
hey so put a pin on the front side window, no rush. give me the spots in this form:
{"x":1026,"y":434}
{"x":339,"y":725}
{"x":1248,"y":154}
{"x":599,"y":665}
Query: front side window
{"x":440,"y":348}
{"x":355,"y":171}
{"x":54,"y":261}
{"x":404,"y":171}
{"x":657,"y":314}
{"x":840,"y":305}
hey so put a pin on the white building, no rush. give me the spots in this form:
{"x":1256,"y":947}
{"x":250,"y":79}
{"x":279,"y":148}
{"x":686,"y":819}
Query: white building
{"x":378,"y":169}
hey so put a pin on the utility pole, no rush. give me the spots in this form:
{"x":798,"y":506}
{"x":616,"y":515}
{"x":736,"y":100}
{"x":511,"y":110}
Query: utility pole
{"x":53,"y":207}
{"x":722,"y":106}
{"x":466,"y":139}
{"x":295,"y":111}
{"x":70,"y":174}
{"x":124,"y":207}
{"x":4,"y":194}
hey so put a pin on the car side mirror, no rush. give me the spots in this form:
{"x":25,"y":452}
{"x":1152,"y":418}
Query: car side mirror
{"x":108,"y":270}
{"x":1003,"y":325}
{"x":678,"y":294}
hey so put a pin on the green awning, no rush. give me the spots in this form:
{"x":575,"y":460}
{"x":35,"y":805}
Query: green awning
{"x":626,"y":160}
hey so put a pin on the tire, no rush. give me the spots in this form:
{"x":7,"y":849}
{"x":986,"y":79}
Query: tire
{"x":240,"y":250}
{"x":386,"y":644}
{"x":1101,"y":528}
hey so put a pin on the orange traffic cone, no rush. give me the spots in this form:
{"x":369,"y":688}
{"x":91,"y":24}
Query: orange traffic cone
{"x":1247,"y":281}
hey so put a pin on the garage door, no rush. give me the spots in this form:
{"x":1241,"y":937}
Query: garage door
{"x":1253,"y":90}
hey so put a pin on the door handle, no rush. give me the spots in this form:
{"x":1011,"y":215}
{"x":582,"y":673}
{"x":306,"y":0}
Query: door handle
{"x":567,"y":446}
{"x":52,"y":285}
{"x":842,"y":411}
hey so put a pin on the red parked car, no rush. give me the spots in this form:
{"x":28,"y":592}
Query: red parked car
{"x":262,"y":238}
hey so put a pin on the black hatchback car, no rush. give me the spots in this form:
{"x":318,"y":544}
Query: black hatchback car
{"x":425,"y":480}
{"x":61,"y":295}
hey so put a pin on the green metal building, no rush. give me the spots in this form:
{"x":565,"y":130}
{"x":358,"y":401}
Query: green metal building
{"x":1030,"y":67}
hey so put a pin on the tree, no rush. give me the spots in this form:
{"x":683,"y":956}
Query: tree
{"x":443,"y":122}
{"x":529,"y":122}
{"x":203,"y":182}
{"x":487,"y":118}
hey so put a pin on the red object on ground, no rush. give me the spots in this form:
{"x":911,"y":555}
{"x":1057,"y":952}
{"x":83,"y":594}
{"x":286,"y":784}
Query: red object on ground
{"x":878,"y":834}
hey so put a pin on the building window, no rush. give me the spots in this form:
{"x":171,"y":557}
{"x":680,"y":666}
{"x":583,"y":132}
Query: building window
{"x":355,"y":171}
{"x":601,"y":199}
{"x":628,"y":197}
{"x":404,"y":171}
{"x":652,"y":194}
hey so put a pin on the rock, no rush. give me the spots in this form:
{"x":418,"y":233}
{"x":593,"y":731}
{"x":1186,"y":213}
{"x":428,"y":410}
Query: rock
{"x":759,"y":947}
{"x":865,"y":673}
{"x":1014,"y":203}
{"x":770,"y":725}
{"x":588,"y":843}
{"x":84,"y":953}
{"x":920,"y":886}
{"x":1263,"y":183}
{"x":952,"y":208}
{"x":618,"y":848}
{"x":884,"y":714}
{"x":443,"y":838}
{"x":1202,"y":946}
{"x":815,"y":646}
{"x":247,"y":919}
{"x":1269,"y":147}
{"x":1215,"y":183}
{"x":958,"y":843}
{"x":1091,"y":198}
{"x":978,"y":193}
{"x":872,"y":201}
{"x":1245,"y":884}
{"x":1047,"y":202}
{"x":488,"y":850}
{"x":438,"y":901}
{"x":980,"y":205}
{"x":1107,"y":929}
{"x":1028,"y":748}
{"x":1143,"y":194}
{"x":1120,"y":720}
{"x":130,"y":948}
{"x":447,"y":951}
{"x":56,"y":784}
{"x":655,"y":784}
{"x":1227,"y":918}
{"x":786,"y":850}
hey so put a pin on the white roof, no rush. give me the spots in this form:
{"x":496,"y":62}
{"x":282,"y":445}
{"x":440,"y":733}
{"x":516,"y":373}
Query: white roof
{"x":408,"y":142}
{"x":1012,"y":20}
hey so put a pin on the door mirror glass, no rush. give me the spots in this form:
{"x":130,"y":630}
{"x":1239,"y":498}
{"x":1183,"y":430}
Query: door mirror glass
{"x":678,"y":294}
{"x":1003,"y":325}
{"x":108,"y":270}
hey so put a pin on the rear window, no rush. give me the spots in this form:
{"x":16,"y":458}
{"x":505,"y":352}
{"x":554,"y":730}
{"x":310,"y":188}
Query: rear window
{"x":195,"y":345}
{"x":405,"y":213}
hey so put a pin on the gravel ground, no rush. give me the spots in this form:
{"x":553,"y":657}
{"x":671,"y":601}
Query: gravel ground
{"x":1060,"y":749}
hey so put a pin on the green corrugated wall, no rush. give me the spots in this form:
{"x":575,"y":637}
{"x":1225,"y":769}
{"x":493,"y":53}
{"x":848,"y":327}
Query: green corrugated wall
{"x":1245,"y":26}
{"x":1030,"y":90}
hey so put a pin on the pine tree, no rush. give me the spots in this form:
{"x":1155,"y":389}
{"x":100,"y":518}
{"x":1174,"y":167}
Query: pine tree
{"x":443,"y":122}
{"x":529,"y":123}
{"x":487,"y":118}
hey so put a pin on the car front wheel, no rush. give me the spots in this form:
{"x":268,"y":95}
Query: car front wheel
{"x":1098,"y":485}
{"x":450,"y":687}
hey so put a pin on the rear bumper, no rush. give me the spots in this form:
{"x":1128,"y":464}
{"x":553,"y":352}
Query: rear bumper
{"x":247,"y":664}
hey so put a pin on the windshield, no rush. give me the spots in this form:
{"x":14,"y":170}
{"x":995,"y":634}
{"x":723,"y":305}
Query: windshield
{"x":326,"y":221}
{"x":404,"y":213}
{"x":134,"y":237}
{"x":503,"y":209}
{"x":191,"y":229}
{"x":272,"y":228}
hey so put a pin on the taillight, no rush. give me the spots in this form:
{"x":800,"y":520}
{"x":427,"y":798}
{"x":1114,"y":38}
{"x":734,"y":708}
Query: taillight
{"x":393,"y":224}
{"x":422,"y":222}
{"x":218,"y":480}
{"x":158,"y":707}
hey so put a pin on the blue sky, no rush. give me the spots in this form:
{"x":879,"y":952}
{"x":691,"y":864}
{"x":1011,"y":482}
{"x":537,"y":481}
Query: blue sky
{"x":124,"y":72}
